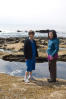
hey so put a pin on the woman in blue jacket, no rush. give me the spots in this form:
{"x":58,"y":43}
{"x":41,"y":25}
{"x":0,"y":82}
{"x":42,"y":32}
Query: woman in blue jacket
{"x":52,"y":53}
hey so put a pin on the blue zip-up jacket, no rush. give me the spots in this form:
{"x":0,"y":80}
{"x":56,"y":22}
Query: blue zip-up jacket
{"x":53,"y":46}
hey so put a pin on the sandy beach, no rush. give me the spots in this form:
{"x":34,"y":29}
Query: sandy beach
{"x":14,"y":88}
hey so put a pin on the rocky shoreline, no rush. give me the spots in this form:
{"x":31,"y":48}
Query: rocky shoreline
{"x":11,"y":87}
{"x":11,"y":49}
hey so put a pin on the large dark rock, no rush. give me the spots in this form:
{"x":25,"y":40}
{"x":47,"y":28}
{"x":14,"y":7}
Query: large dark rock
{"x":19,"y":31}
{"x":62,"y":58}
{"x":20,"y":58}
{"x":2,"y":40}
{"x":42,"y":31}
{"x":0,"y":31}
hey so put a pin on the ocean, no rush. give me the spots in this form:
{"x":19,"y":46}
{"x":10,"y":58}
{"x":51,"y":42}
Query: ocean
{"x":11,"y":31}
{"x":25,"y":34}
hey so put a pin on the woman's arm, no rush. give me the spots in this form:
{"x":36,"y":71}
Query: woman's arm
{"x":25,"y":49}
{"x":56,"y":44}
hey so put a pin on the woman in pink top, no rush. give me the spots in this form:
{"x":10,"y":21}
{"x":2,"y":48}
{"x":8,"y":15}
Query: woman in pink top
{"x":52,"y":54}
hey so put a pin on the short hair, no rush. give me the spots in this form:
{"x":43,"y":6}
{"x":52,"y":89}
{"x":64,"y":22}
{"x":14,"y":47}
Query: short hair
{"x":54,"y":33}
{"x":31,"y":32}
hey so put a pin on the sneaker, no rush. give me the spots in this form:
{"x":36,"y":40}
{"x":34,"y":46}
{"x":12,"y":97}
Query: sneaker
{"x":29,"y":77}
{"x":51,"y":81}
{"x":26,"y":80}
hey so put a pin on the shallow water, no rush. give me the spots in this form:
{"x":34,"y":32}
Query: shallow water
{"x":19,"y":68}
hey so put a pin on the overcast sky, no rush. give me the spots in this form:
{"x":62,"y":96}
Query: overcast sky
{"x":34,"y":12}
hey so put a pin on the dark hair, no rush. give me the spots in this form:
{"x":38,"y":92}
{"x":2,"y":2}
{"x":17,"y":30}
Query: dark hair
{"x":31,"y":32}
{"x":54,"y":33}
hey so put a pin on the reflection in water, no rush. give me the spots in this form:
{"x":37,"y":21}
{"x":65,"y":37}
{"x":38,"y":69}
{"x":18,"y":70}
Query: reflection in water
{"x":19,"y":68}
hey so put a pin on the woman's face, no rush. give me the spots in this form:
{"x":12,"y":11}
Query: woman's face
{"x":50,"y":35}
{"x":31,"y":36}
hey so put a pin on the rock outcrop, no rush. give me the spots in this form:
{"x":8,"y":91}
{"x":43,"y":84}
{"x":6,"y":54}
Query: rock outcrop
{"x":13,"y":48}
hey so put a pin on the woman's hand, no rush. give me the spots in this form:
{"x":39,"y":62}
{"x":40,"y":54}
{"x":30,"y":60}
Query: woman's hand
{"x":25,"y":59}
{"x":51,"y":58}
